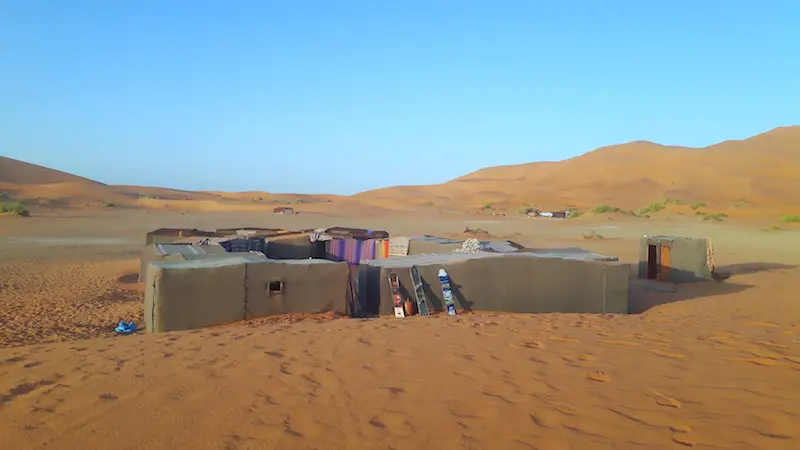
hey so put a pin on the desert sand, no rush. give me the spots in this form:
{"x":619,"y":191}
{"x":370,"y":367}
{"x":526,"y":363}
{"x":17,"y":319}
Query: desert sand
{"x":710,"y":365}
{"x":703,"y":365}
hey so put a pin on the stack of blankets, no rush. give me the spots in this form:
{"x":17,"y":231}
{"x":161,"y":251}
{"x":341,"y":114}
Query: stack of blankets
{"x":398,"y":246}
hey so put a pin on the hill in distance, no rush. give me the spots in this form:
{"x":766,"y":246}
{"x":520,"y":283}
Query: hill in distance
{"x":760,"y":171}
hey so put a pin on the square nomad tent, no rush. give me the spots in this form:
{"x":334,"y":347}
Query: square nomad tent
{"x":178,"y":252}
{"x":184,"y":295}
{"x":675,"y":259}
{"x":518,"y":282}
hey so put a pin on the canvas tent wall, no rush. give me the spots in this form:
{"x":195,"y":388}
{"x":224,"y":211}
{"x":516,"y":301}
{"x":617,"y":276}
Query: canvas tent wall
{"x":569,"y":253}
{"x":194,"y":294}
{"x":293,"y":246}
{"x":421,"y":245}
{"x":168,"y":235}
{"x":418,"y":245}
{"x":511,"y":282}
{"x":356,"y":233}
{"x":252,"y":230}
{"x":182,"y":252}
{"x":674,"y":259}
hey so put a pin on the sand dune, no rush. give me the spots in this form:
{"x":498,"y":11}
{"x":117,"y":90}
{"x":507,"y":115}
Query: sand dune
{"x":22,"y":173}
{"x":41,"y":185}
{"x":759,"y":172}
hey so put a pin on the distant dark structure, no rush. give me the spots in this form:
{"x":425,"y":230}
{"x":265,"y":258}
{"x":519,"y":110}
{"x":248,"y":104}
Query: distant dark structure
{"x":550,"y":214}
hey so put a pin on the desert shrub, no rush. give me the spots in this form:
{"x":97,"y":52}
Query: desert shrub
{"x":593,"y":235}
{"x":698,"y":205}
{"x":792,"y":218}
{"x":468,"y":230}
{"x":656,"y":206}
{"x":16,"y":208}
{"x":109,"y":204}
{"x":487,"y":207}
{"x":603,"y":209}
{"x":527,"y":209}
{"x":716,"y":217}
{"x":574,"y":214}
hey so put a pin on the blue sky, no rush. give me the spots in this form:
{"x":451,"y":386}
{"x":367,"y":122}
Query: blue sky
{"x":344,"y":96}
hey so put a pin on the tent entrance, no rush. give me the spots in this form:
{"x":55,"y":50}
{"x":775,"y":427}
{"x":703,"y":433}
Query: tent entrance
{"x":652,"y":262}
{"x":658,"y":262}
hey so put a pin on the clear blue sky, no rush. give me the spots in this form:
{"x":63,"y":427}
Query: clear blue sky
{"x":343,"y":96}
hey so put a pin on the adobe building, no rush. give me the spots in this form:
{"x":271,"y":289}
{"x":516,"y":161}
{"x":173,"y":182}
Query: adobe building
{"x":675,"y":259}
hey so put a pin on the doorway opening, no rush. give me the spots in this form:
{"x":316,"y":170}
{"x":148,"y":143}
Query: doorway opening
{"x":652,"y":262}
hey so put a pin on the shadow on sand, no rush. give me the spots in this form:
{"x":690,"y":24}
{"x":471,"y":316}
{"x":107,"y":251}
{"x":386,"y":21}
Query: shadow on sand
{"x":129,"y":278}
{"x":647,"y":294}
{"x":746,"y":268}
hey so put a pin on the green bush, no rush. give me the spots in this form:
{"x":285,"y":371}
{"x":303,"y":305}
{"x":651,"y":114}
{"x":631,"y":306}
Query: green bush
{"x":698,"y":205}
{"x":603,"y":209}
{"x":656,"y":206}
{"x":716,"y":217}
{"x":109,"y":204}
{"x":16,"y":208}
{"x":487,"y":207}
{"x":792,"y":218}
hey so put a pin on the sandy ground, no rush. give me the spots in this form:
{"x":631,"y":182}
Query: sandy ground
{"x":710,"y":365}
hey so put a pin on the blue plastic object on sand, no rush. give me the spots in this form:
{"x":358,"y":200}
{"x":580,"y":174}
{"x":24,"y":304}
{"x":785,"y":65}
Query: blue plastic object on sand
{"x":125,"y":327}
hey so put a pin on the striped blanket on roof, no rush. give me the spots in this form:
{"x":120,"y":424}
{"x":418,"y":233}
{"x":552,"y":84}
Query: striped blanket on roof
{"x":351,"y":250}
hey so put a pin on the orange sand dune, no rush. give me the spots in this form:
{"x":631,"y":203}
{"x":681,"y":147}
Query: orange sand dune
{"x":167,"y":194}
{"x":760,"y":170}
{"x":22,"y":173}
{"x":28,"y":181}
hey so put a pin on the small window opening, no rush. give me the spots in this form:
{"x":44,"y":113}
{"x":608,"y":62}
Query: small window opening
{"x":275,"y":287}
